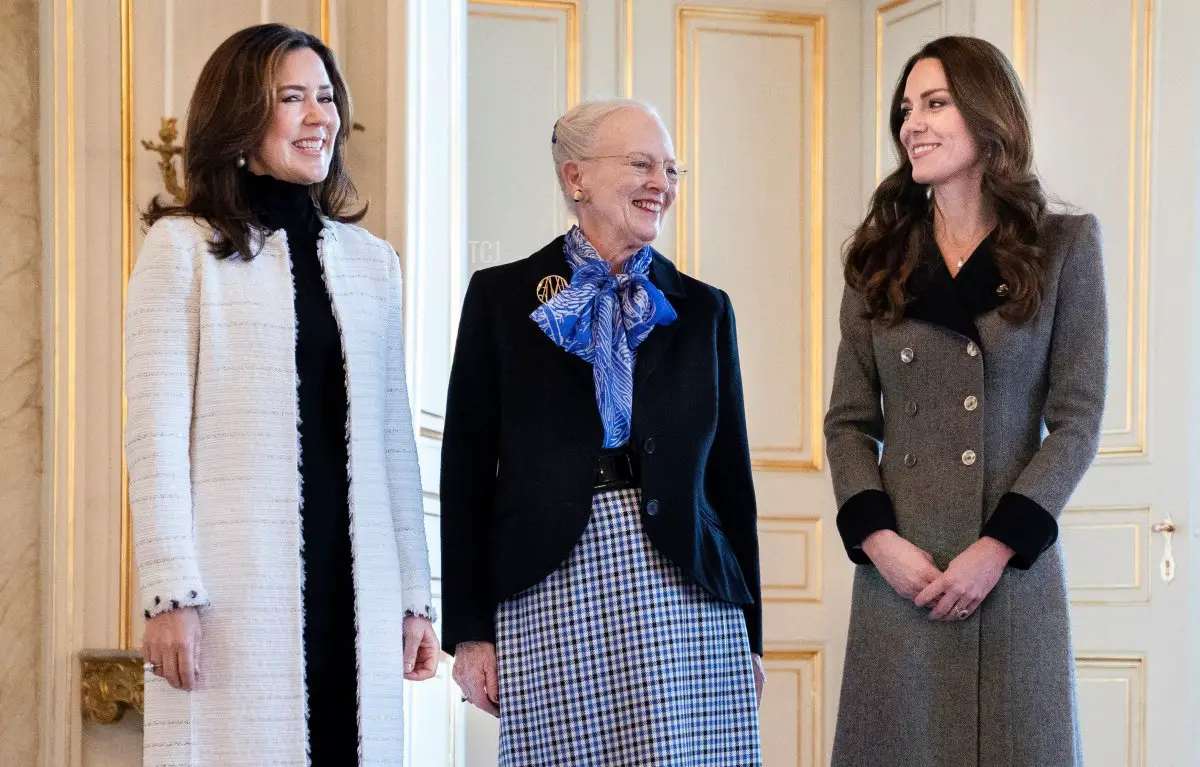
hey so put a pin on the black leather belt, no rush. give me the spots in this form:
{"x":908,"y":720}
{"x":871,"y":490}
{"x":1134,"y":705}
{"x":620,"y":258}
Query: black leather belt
{"x":616,"y":470}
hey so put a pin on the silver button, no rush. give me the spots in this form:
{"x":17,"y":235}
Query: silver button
{"x":972,"y":349}
{"x":970,"y":403}
{"x":911,"y":408}
{"x":968,"y":458}
{"x":906,"y":355}
{"x":910,"y":460}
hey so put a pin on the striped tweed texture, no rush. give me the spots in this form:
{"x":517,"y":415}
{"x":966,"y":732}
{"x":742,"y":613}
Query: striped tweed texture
{"x":213,"y":456}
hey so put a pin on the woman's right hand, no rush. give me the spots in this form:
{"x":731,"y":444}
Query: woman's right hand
{"x":475,"y":672}
{"x":171,"y":641}
{"x":906,"y":568}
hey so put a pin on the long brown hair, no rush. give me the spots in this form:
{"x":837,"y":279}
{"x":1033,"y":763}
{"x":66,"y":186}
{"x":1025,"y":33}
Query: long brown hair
{"x":886,"y":249}
{"x":227,"y":118}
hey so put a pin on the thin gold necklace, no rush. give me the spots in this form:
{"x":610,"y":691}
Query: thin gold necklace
{"x":961,"y":261}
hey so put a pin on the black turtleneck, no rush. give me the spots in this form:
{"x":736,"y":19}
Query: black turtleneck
{"x":329,"y":633}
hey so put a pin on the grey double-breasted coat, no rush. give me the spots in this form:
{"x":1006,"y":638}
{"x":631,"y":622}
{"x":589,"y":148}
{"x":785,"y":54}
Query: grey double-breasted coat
{"x":935,"y":429}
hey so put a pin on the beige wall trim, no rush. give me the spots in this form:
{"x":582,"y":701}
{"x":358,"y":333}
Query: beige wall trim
{"x":58,"y":690}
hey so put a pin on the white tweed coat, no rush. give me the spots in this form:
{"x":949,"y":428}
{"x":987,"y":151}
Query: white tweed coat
{"x":213,"y":453}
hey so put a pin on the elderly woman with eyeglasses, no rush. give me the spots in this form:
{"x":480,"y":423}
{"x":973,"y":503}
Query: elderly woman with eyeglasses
{"x":599,"y":543}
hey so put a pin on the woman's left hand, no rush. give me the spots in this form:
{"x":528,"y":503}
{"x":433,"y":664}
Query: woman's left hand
{"x":760,"y":677}
{"x":968,"y":580}
{"x":421,"y":649}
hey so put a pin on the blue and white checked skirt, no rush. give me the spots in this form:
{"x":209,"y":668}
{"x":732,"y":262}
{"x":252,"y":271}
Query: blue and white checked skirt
{"x":618,"y":660}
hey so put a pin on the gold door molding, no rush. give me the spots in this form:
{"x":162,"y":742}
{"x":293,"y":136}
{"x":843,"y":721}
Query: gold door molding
{"x":696,"y":23}
{"x":1128,"y":673}
{"x":806,"y":665}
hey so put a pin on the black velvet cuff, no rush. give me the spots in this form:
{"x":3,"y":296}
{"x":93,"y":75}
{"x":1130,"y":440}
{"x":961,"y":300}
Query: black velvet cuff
{"x":863,"y":514}
{"x":1024,"y":526}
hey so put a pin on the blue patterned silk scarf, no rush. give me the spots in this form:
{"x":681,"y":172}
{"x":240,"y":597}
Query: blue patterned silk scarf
{"x":603,"y":318}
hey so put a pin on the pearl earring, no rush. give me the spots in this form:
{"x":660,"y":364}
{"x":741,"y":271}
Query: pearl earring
{"x":241,"y":161}
{"x":577,"y":195}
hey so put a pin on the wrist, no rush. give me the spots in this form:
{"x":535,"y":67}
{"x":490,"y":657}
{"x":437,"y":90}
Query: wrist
{"x":876,"y":539}
{"x":1002,"y":552}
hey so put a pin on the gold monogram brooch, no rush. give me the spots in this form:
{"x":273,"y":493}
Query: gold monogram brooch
{"x":549,"y":286}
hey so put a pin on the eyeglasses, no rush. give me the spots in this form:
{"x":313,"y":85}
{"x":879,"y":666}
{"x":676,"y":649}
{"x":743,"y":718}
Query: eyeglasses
{"x":647,"y":166}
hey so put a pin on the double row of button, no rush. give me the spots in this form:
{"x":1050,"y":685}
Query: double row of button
{"x":970,"y":404}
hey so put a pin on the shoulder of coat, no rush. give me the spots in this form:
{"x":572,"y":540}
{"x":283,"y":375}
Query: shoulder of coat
{"x":1061,"y":230}
{"x":1061,"y":225}
{"x":708,"y":294}
{"x":182,"y":229}
{"x":181,"y":235}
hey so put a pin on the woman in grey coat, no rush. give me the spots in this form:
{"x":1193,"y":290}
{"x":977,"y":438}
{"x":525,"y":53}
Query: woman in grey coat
{"x":973,"y":323}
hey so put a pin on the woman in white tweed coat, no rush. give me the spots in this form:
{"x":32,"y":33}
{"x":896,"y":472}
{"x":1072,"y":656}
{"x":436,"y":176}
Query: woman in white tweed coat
{"x":286,"y":601}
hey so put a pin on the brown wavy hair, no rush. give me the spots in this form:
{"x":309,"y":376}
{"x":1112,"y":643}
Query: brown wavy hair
{"x":228,"y":116}
{"x":885,"y":250}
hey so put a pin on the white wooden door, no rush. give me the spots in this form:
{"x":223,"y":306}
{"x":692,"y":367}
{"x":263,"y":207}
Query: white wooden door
{"x":1113,"y":86}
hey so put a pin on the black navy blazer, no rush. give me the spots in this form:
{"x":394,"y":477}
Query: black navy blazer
{"x":523,"y":436}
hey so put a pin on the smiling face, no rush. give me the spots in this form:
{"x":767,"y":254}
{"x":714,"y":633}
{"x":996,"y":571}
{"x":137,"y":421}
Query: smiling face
{"x":298,"y":144}
{"x":934,"y":135}
{"x":628,"y":184}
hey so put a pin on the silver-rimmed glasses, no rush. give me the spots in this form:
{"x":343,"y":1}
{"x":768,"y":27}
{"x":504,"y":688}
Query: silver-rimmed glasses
{"x":647,"y":166}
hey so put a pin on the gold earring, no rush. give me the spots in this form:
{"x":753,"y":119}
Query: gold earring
{"x":577,"y":195}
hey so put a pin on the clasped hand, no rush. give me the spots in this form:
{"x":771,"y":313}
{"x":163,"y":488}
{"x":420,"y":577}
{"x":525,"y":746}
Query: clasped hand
{"x":951,"y":595}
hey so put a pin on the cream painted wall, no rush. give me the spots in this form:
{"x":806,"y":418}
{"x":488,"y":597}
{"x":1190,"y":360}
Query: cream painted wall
{"x":20,"y":383}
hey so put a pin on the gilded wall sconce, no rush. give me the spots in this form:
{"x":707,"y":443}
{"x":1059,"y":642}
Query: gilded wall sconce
{"x":167,"y":151}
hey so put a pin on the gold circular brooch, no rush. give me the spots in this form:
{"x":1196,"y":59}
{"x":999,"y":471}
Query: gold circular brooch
{"x":549,"y":286}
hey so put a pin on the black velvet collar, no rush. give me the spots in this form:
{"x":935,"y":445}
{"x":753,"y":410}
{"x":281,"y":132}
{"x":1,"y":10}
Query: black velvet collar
{"x":955,"y":302}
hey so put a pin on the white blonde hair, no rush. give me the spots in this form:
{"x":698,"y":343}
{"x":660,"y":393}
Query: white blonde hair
{"x":576,"y":133}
